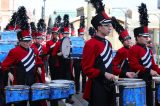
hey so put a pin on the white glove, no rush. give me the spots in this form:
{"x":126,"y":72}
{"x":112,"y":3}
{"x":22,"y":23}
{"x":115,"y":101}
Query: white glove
{"x":131,"y":74}
{"x":39,"y":70}
{"x":59,"y":54}
{"x":153,"y":73}
{"x":110,"y":76}
{"x":10,"y":76}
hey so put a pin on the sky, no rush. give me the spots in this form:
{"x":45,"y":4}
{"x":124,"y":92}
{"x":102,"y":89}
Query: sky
{"x":52,"y":5}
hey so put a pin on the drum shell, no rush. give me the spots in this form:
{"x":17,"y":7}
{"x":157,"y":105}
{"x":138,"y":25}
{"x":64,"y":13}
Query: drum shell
{"x":156,"y":80}
{"x":70,"y":83}
{"x":8,"y":36}
{"x":40,"y":92}
{"x":4,"y":50}
{"x":132,"y":93}
{"x":16,"y":95}
{"x":77,"y":45}
{"x":58,"y":91}
{"x":72,"y":47}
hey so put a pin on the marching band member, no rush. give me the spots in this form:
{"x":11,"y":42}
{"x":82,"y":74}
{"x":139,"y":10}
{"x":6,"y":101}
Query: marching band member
{"x":38,"y":38}
{"x":37,"y":46}
{"x":72,"y":30}
{"x":50,"y":46}
{"x":77,"y":62}
{"x":25,"y":60}
{"x":141,"y":57}
{"x":120,"y":61}
{"x":63,"y":65}
{"x":97,"y":61}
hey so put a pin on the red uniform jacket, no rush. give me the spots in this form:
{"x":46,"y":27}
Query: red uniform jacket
{"x":50,"y":44}
{"x":141,"y":59}
{"x":24,"y":62}
{"x":57,"y":49}
{"x":96,"y":60}
{"x":120,"y":62}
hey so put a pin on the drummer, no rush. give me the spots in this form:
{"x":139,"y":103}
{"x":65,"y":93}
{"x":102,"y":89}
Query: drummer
{"x":37,"y":40}
{"x":63,"y":65}
{"x":120,"y":62}
{"x":77,"y":62}
{"x":141,"y":57}
{"x":97,"y":62}
{"x":24,"y":67}
{"x":50,"y":46}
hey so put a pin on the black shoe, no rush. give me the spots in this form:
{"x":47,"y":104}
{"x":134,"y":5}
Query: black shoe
{"x":70,"y":101}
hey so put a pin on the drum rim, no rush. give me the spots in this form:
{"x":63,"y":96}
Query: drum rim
{"x":156,"y":78}
{"x":130,"y":79}
{"x":62,"y":85}
{"x":132,"y":84}
{"x":36,"y":87}
{"x":25,"y":87}
{"x":61,"y":81}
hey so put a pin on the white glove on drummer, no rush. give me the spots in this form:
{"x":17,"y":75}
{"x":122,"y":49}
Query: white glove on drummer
{"x":110,"y":76}
{"x":39,"y":70}
{"x":59,"y":54}
{"x":130,"y":74}
{"x":10,"y":76}
{"x":153,"y":73}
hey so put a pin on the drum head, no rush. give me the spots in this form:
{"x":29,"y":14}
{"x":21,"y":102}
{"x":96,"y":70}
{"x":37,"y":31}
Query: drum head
{"x":62,"y":81}
{"x":66,"y":47}
{"x":56,"y":85}
{"x":39,"y":86}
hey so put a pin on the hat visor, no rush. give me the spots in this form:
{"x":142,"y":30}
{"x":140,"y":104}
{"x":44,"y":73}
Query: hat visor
{"x":53,"y":32}
{"x":66,"y":33}
{"x":145,"y":35}
{"x":27,"y":38}
{"x":127,"y":38}
{"x":39,"y":37}
{"x":105,"y":22}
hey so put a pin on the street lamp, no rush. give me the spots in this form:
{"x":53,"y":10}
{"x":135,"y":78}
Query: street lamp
{"x":43,"y":9}
{"x":125,"y":14}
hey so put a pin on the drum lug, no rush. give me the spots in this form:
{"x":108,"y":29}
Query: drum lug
{"x":131,"y":104}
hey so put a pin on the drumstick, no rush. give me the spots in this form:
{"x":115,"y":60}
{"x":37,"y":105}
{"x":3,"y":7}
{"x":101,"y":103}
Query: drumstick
{"x":136,"y":75}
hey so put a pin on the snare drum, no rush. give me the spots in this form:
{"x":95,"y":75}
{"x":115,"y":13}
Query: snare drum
{"x":58,"y":91}
{"x":67,"y":82}
{"x":131,"y":93}
{"x":72,"y":47}
{"x":16,"y":93}
{"x":40,"y":91}
{"x":156,"y":89}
